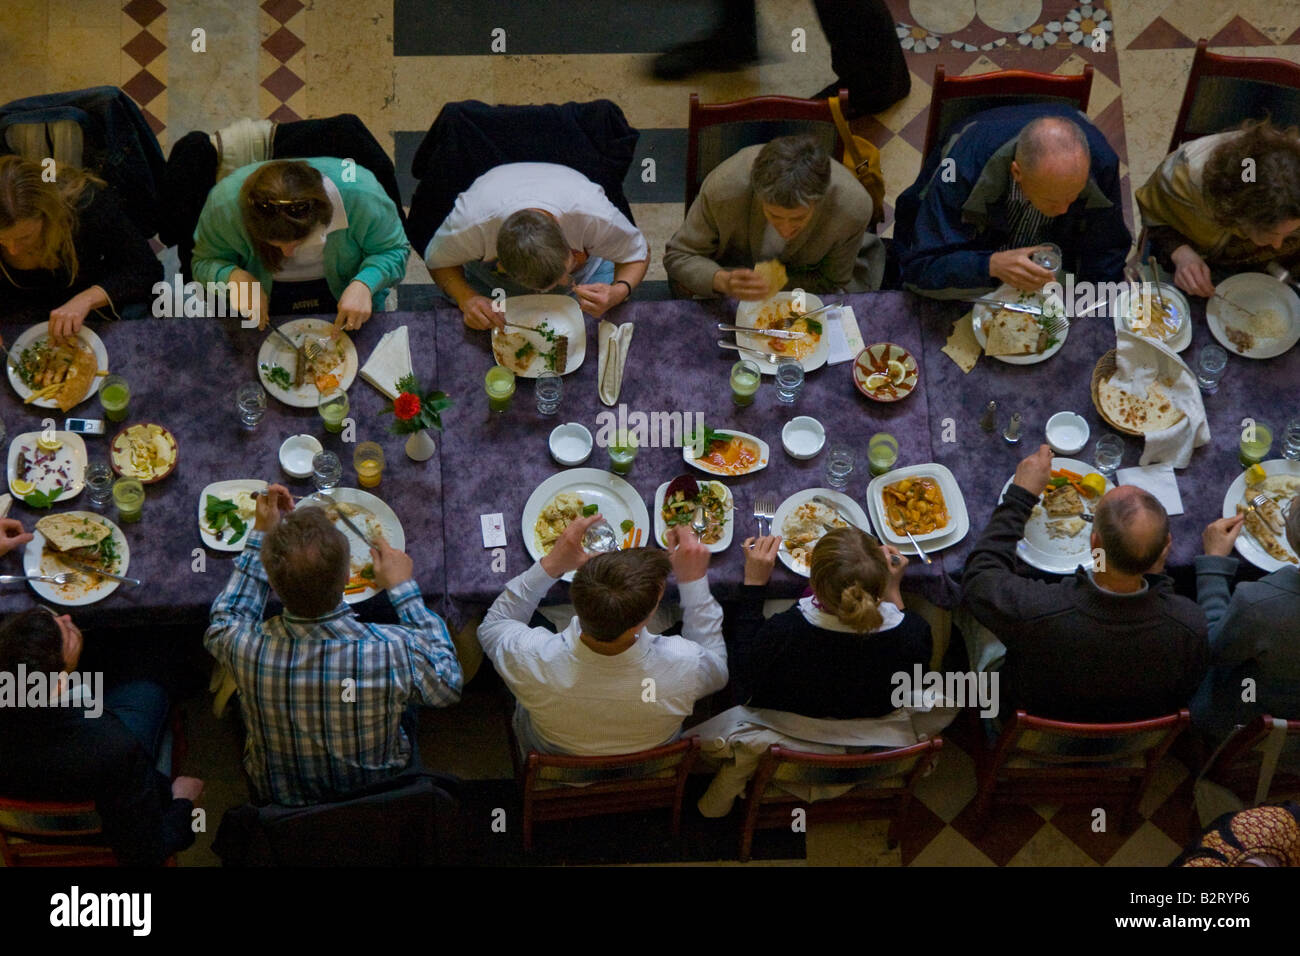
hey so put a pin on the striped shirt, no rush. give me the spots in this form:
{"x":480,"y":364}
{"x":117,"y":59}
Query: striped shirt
{"x":323,"y":698}
{"x":1027,"y":225}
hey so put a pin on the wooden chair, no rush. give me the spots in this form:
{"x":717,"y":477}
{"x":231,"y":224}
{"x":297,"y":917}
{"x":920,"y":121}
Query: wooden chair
{"x":569,"y":788}
{"x":1224,"y":90}
{"x":883,"y":783}
{"x":717,"y":131}
{"x":1050,"y":761}
{"x":1241,"y":764}
{"x":954,"y":98}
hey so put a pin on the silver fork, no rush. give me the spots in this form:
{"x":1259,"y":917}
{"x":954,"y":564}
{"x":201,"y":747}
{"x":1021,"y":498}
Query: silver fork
{"x":1055,"y":326}
{"x":758,"y":513}
{"x":63,"y":577}
{"x":768,"y":504}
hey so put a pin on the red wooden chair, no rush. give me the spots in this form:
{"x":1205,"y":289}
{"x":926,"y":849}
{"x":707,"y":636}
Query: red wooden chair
{"x":954,"y":98}
{"x":1050,"y":761}
{"x":1241,"y":764}
{"x":1224,"y":90}
{"x":883,"y":783}
{"x":717,"y":131}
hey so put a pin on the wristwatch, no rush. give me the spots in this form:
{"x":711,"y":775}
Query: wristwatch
{"x":623,"y":282}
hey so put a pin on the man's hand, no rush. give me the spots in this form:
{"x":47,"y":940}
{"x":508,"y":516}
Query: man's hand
{"x":272,"y":505}
{"x":688,"y":555}
{"x":760,"y":558}
{"x":743,"y":284}
{"x":567,"y":553}
{"x":479,"y":313}
{"x":1014,"y":267}
{"x":12,"y":534}
{"x":354,"y":306}
{"x":1219,"y":536}
{"x":242,"y":284}
{"x":1191,"y":274}
{"x":66,"y":320}
{"x":598,"y":298}
{"x":392,"y":567}
{"x":187,"y":788}
{"x":1034,"y":472}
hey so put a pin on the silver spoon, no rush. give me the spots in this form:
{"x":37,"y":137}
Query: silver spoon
{"x":919,"y":550}
{"x":698,"y":524}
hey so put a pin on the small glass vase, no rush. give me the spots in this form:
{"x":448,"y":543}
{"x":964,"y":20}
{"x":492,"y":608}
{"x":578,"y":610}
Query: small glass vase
{"x":420,"y":446}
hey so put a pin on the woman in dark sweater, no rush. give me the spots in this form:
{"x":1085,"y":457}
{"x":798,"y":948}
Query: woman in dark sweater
{"x":67,"y":249}
{"x":833,"y":654}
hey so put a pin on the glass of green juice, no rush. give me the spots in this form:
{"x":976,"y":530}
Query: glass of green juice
{"x":333,"y":406}
{"x":1256,"y":440}
{"x":500,"y":386}
{"x":882,"y":452}
{"x":128,"y":495}
{"x":622,"y":453}
{"x":115,"y":396}
{"x":745,"y":378}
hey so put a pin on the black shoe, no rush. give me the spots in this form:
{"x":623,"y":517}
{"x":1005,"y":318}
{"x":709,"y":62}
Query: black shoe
{"x":713,"y":54}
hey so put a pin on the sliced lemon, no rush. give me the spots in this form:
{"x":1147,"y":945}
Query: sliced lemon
{"x":48,"y":444}
{"x":876,"y":380}
{"x":897,"y":371}
{"x":1095,"y":483}
{"x":1255,"y":474}
{"x":22,"y":487}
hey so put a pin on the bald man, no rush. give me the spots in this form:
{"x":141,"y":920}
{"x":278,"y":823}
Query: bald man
{"x":1112,"y":643}
{"x":1005,"y":182}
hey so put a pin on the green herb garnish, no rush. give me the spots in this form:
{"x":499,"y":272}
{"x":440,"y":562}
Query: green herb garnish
{"x":278,"y":375}
{"x":108,"y":552}
{"x":222,"y":514}
{"x":43,"y":499}
{"x":589,"y":510}
{"x":627,"y":525}
{"x":525,"y":351}
{"x":814,"y":326}
{"x":710,"y":436}
{"x":368,"y":572}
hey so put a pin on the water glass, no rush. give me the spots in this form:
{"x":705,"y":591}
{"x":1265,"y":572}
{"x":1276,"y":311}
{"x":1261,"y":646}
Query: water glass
{"x":600,"y":538}
{"x":745,"y":378}
{"x":114,"y":396}
{"x":368,"y":460}
{"x":548,"y":388}
{"x":1290,"y":440}
{"x":882,"y":452}
{"x":99,"y":485}
{"x":128,"y":495}
{"x":1108,"y":454}
{"x":326,"y":470}
{"x":839,"y":465}
{"x":251,"y":402}
{"x":1210,"y":365}
{"x":789,"y":379}
{"x":333,"y":406}
{"x":1048,"y":255}
{"x":1256,"y":440}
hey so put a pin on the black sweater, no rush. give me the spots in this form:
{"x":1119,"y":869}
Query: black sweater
{"x":786,"y":663}
{"x":1074,"y":651}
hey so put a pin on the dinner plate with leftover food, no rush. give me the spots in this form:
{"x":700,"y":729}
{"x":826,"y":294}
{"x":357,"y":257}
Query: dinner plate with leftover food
{"x":923,"y":499}
{"x":45,"y":468}
{"x":375,"y":518}
{"x":227,"y":510}
{"x":1018,"y":338}
{"x":885,"y":372}
{"x":334,"y":367}
{"x":1254,"y":315}
{"x":64,"y":375}
{"x":574,"y":493}
{"x":676,"y":502}
{"x":85,"y":537}
{"x":783,"y":311}
{"x":1262,"y":541}
{"x":802,"y":522}
{"x":146,"y":451}
{"x":728,"y":453}
{"x":1057,"y":535}
{"x":531,"y":342}
{"x":1144,"y":315}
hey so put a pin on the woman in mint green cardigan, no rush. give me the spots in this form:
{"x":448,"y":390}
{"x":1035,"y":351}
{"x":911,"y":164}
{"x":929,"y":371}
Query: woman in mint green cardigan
{"x":321,"y":227}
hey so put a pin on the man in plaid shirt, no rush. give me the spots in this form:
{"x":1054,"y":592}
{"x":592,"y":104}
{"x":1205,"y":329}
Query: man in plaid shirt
{"x":322,"y":694}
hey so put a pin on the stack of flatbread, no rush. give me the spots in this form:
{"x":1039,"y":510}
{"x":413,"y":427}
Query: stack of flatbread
{"x":1151,"y":412}
{"x":1153,"y":393}
{"x":1013,"y":333}
{"x":774,"y":272}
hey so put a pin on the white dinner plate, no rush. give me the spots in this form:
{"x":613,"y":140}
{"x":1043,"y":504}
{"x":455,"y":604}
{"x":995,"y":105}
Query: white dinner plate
{"x":981,"y":314}
{"x":275,"y":352}
{"x":764,"y":453}
{"x":70,"y":459}
{"x":77,"y":592}
{"x":42,"y":330}
{"x":562,"y":317}
{"x":1247,"y":546}
{"x":747,"y":315}
{"x":382,"y":514}
{"x":225,"y":489}
{"x":1124,"y":313}
{"x":1254,"y":291}
{"x":851,"y":507}
{"x":957,"y":527}
{"x":728,"y":529}
{"x":1057,"y":555}
{"x":616,"y":500}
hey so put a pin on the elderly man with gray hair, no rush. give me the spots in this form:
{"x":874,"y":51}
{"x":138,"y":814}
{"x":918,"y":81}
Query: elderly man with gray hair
{"x":1254,"y":633}
{"x":786,"y":200}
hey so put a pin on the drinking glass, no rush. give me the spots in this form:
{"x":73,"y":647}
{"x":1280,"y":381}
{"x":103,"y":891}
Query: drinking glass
{"x":1108,"y":454}
{"x":333,"y":406}
{"x":368,"y":460}
{"x":114,"y":396}
{"x":745,"y":378}
{"x":1210,"y":365}
{"x":1256,"y":440}
{"x":882,"y":452}
{"x":251,"y":402}
{"x":839,"y":465}
{"x":1290,"y":440}
{"x":622,"y":453}
{"x":326,"y":470}
{"x":548,"y":388}
{"x":128,"y":495}
{"x":500,"y":385}
{"x":99,"y":485}
{"x":600,"y":538}
{"x":1048,"y":255}
{"x":789,"y":379}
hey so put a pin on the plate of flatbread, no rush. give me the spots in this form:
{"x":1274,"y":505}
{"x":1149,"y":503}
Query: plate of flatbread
{"x":1017,"y":338}
{"x":63,"y":374}
{"x":1057,"y":535}
{"x":1262,"y":546}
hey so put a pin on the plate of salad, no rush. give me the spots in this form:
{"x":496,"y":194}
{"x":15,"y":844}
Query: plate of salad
{"x":226,"y":512}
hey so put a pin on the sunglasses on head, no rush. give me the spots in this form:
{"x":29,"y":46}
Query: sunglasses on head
{"x":294,"y":208}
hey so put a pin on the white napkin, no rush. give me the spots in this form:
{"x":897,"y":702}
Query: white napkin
{"x":1139,"y":362}
{"x":390,"y":361}
{"x":844,"y":337}
{"x":614,"y":340}
{"x":1160,"y":480}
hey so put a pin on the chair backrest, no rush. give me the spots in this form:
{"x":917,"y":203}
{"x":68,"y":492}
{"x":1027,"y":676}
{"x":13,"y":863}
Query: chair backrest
{"x":1136,"y":744}
{"x":1224,"y":90}
{"x":954,"y":98}
{"x":1241,"y":761}
{"x":717,"y":131}
{"x":893,"y":769}
{"x":43,"y":833}
{"x":664,"y":763}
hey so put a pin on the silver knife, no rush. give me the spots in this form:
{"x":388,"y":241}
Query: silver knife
{"x":774,"y":333}
{"x":348,"y":521}
{"x":1009,"y":306}
{"x":852,"y":522}
{"x":298,"y":356}
{"x":87,"y":569}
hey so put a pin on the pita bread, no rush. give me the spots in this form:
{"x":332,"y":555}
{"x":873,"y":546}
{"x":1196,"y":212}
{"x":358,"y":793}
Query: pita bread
{"x":963,"y":348}
{"x":1012,"y":333}
{"x":773,"y":272}
{"x":81,"y":374}
{"x":1152,"y":412}
{"x":68,"y":531}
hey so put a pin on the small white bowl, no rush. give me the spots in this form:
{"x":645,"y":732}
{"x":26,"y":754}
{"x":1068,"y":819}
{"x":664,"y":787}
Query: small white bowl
{"x":1067,"y":433}
{"x":803,"y":437}
{"x":570,"y":444}
{"x":296,"y":454}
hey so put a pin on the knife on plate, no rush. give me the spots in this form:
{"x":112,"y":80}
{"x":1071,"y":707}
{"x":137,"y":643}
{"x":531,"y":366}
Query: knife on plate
{"x":300,"y":360}
{"x":87,"y":569}
{"x":348,"y":521}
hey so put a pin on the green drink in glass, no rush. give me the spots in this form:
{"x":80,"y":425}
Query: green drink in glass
{"x":500,"y":386}
{"x":333,"y":408}
{"x":882,"y":452}
{"x":114,"y":396}
{"x":128,"y":495}
{"x":745,"y":379}
{"x":1256,"y":440}
{"x":622,"y":453}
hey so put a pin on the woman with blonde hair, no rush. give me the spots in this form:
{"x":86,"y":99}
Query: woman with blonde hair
{"x":67,"y":249}
{"x":834,"y":653}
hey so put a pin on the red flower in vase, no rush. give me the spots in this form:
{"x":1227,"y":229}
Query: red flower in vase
{"x":407,"y":406}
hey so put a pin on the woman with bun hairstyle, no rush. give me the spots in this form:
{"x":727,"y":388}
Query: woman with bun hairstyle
{"x":833,"y":654}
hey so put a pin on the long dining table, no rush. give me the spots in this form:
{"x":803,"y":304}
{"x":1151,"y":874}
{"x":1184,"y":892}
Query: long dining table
{"x":184,"y":373}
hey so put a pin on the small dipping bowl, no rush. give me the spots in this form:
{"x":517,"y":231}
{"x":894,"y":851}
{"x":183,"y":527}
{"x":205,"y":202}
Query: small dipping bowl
{"x":570,"y":444}
{"x":296,"y":454}
{"x":803,"y":437}
{"x":1067,"y":433}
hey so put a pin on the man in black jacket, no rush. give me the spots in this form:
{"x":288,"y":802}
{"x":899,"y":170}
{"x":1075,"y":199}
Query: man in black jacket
{"x":1113,"y":643}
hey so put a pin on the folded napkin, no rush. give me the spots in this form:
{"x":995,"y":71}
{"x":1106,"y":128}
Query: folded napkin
{"x":390,"y":361}
{"x":1159,"y":480}
{"x":614,"y":343}
{"x":1140,"y":362}
{"x":843,"y":335}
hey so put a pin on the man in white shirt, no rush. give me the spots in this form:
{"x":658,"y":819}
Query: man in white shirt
{"x":605,"y":685}
{"x":533,"y":227}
